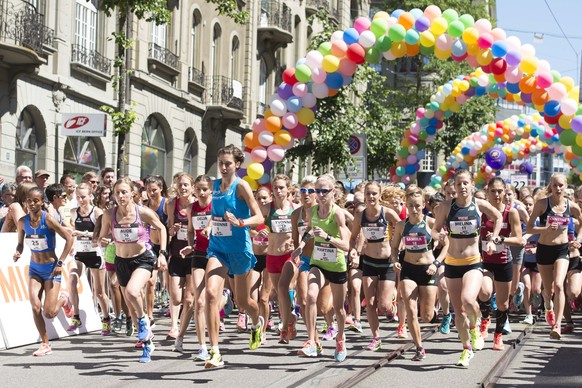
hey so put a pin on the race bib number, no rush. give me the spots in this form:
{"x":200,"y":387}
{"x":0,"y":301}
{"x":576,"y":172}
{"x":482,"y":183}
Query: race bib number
{"x":301,"y":230}
{"x":561,"y":221}
{"x":464,"y":227}
{"x":281,"y":226}
{"x":530,"y":245}
{"x":498,"y":247}
{"x":261,"y":241}
{"x":415,"y":243}
{"x":126,"y":233}
{"x":182,"y":233}
{"x":374,"y":232}
{"x":84,"y":244}
{"x":325,"y":252}
{"x":36,"y":242}
{"x":200,"y":222}
{"x":221,"y":228}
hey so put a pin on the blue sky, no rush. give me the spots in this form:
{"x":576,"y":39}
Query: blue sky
{"x":524,"y":18}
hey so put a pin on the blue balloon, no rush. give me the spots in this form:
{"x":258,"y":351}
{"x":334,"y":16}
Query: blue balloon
{"x":334,"y":80}
{"x":465,"y":150}
{"x":431,"y":130}
{"x":552,"y":108}
{"x":410,"y":169}
{"x":397,"y":13}
{"x":459,"y":48}
{"x":499,"y":48}
{"x":351,"y":36}
{"x":480,"y":90}
{"x":264,"y":179}
{"x":294,"y":104}
{"x":513,"y":88}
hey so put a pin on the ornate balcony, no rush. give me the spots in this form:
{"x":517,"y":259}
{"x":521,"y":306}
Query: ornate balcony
{"x":224,"y":98}
{"x":311,"y":6}
{"x":163,"y":61}
{"x":24,"y":38}
{"x":196,"y":81}
{"x":274,"y":31}
{"x":91,"y":62}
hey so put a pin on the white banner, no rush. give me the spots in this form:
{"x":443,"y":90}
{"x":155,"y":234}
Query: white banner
{"x":16,"y":320}
{"x":519,"y":180}
{"x":84,"y":124}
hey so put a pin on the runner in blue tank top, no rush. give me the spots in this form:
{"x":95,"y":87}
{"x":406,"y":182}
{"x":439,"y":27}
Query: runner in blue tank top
{"x":234,"y":209}
{"x":37,"y":229}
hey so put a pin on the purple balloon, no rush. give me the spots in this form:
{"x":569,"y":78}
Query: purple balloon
{"x":267,"y":164}
{"x":285,"y":91}
{"x":526,"y":97}
{"x":241,"y":172}
{"x":495,"y":158}
{"x":576,"y":124}
{"x":422,"y":24}
{"x":526,"y":168}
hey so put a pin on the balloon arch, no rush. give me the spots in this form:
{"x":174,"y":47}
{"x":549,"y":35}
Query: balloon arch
{"x":505,"y":69}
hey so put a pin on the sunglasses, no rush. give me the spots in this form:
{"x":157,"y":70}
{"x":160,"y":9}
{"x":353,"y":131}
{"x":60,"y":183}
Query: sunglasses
{"x":323,"y":191}
{"x":63,"y":196}
{"x":307,"y":191}
{"x":94,"y":182}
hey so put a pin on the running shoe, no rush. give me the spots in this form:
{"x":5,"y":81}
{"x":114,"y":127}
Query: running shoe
{"x":419,"y":355}
{"x":340,"y":349}
{"x":402,"y":333}
{"x":138,"y":345}
{"x":117,"y":324}
{"x":144,"y":332}
{"x":453,"y":319}
{"x":106,"y":326}
{"x":257,"y":335}
{"x":356,"y":326}
{"x":528,"y":320}
{"x":568,"y":328}
{"x":550,"y":317}
{"x":318,"y":348}
{"x":270,"y":325}
{"x":172,"y":334}
{"x":349,"y":320}
{"x":292,"y":328}
{"x":241,"y":323}
{"x":229,"y":305}
{"x":330,"y":335}
{"x":536,"y":300}
{"x":324,"y":328}
{"x":153,"y":322}
{"x":445,"y":326}
{"x":44,"y":350}
{"x":466,"y":357}
{"x":214,"y":360}
{"x":68,"y":306}
{"x":498,"y":341}
{"x":129,"y":329}
{"x":556,"y":333}
{"x":75,"y":324}
{"x":222,"y":328}
{"x":168,"y":313}
{"x":506,"y":328}
{"x":283,"y":339}
{"x":202,"y":355}
{"x":178,"y":345}
{"x":477,"y":341}
{"x":148,"y":349}
{"x":309,"y":349}
{"x":484,"y":327}
{"x":375,"y":345}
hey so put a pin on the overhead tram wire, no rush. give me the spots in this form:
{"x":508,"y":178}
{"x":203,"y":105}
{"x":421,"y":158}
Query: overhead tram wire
{"x":568,"y":40}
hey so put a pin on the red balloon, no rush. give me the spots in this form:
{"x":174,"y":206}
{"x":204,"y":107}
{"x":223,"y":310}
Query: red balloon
{"x":289,"y":76}
{"x":552,"y":120}
{"x":356,"y":53}
{"x":498,"y":66}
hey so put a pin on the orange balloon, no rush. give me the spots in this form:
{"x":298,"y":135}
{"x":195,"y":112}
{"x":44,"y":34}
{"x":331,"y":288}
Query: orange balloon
{"x":540,"y":97}
{"x":333,"y":92}
{"x":406,"y":20}
{"x":251,"y":141}
{"x":527,"y":84}
{"x":268,"y":113}
{"x":412,"y":50}
{"x":273,"y":123}
{"x":499,"y":77}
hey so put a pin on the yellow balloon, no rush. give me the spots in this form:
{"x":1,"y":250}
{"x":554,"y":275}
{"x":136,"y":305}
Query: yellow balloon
{"x":330,"y":63}
{"x":305,"y":117}
{"x":439,"y":25}
{"x":528,"y":64}
{"x":427,"y":38}
{"x":484,"y":58}
{"x":564,"y":121}
{"x":382,"y":15}
{"x":568,"y":82}
{"x":442,"y":55}
{"x":282,"y":137}
{"x":255,"y":170}
{"x":252,"y":183}
{"x":579,"y":139}
{"x":470,"y":35}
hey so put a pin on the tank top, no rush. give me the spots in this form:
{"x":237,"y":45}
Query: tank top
{"x":200,"y":219}
{"x":160,"y":212}
{"x":40,"y":239}
{"x":180,"y":240}
{"x":129,"y":233}
{"x":416,"y":237}
{"x":279,"y":223}
{"x":500,"y":255}
{"x":550,"y":216}
{"x":326,"y":255}
{"x":530,"y":244}
{"x":464,"y":222}
{"x":301,"y":225}
{"x":375,"y":231}
{"x":225,"y":237}
{"x":84,"y":244}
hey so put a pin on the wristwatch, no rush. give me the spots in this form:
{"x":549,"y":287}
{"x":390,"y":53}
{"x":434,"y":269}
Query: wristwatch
{"x":59,"y":263}
{"x":436,"y":263}
{"x":241,"y":222}
{"x":164,"y":252}
{"x":328,"y":238}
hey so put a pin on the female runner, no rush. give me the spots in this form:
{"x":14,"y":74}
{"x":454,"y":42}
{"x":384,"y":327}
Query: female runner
{"x":530,"y":274}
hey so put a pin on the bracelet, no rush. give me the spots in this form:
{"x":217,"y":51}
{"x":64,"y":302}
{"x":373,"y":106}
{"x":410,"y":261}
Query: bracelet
{"x":436,"y":263}
{"x":241,"y":222}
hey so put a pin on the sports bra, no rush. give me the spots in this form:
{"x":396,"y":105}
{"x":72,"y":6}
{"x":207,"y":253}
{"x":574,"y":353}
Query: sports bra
{"x":416,"y":237}
{"x":464,"y":222}
{"x":500,"y":255}
{"x":129,"y":233}
{"x":550,"y":216}
{"x":279,"y":223}
{"x":160,"y":212}
{"x":375,"y":231}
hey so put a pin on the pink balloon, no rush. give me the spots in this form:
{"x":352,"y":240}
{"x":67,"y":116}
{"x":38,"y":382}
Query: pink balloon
{"x":290,"y":120}
{"x":569,"y":106}
{"x":444,"y":42}
{"x":309,"y":100}
{"x":318,"y":75}
{"x":299,"y":132}
{"x":347,"y":67}
{"x":362,"y":24}
{"x":259,"y":125}
{"x":415,"y":128}
{"x":557,"y":91}
{"x":276,"y":153}
{"x":420,"y":113}
{"x":411,"y":159}
{"x":300,"y":89}
{"x":406,"y":179}
{"x":320,"y":90}
{"x":266,"y":138}
{"x":513,"y":74}
{"x":544,"y":80}
{"x":247,"y":160}
{"x":258,"y":154}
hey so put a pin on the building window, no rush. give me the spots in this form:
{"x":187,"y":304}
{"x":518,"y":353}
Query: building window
{"x":81,"y":156}
{"x":153,"y":148}
{"x":159,"y":34}
{"x":86,"y":25}
{"x":195,"y":39}
{"x":427,"y":164}
{"x":191,"y":153}
{"x":26,"y":141}
{"x":215,"y":50}
{"x":234,"y":60}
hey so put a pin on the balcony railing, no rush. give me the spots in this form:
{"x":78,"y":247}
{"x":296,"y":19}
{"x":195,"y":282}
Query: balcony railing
{"x":224,"y":91}
{"x":261,"y":108}
{"x":311,"y":6}
{"x":91,"y":59}
{"x":25,"y":27}
{"x":163,"y":55}
{"x":196,"y":76}
{"x":274,"y":13}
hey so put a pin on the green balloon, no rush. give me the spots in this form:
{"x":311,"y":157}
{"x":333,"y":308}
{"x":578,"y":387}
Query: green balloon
{"x":422,"y":135}
{"x":474,"y":82}
{"x":556,"y":75}
{"x":576,"y":149}
{"x":383,"y":43}
{"x":421,"y":145}
{"x":412,"y":36}
{"x":303,"y":73}
{"x":467,"y":20}
{"x":397,"y":33}
{"x":402,"y":152}
{"x":568,"y":137}
{"x":448,"y":113}
{"x":325,"y":48}
{"x":427,"y":51}
{"x":379,"y":27}
{"x":372,"y":55}
{"x":450,"y":15}
{"x":456,"y":28}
